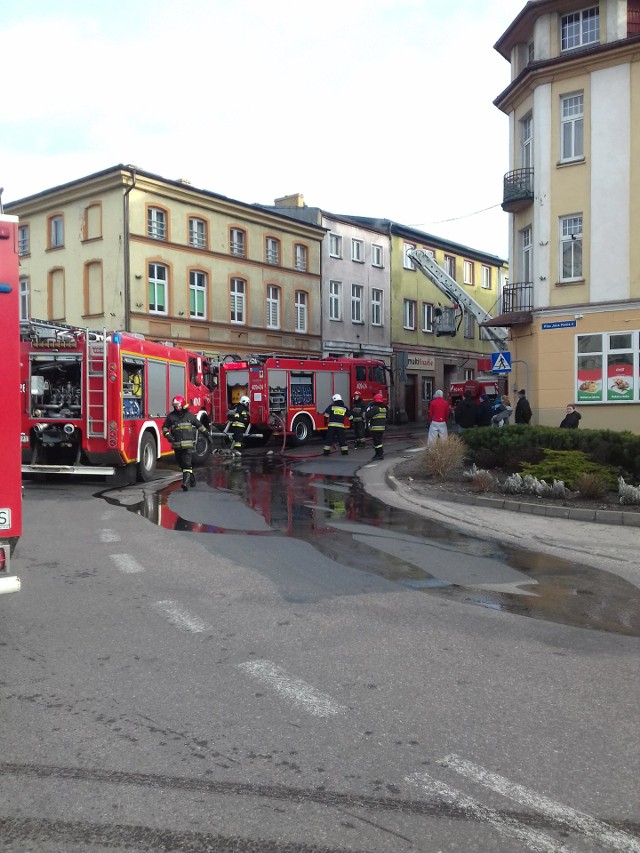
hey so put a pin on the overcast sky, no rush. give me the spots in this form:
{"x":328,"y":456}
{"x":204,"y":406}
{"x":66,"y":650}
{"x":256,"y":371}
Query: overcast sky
{"x":370,"y":107}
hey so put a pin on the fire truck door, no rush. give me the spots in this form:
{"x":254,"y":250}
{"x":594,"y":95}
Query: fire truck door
{"x":341,"y":385}
{"x":324,"y":390}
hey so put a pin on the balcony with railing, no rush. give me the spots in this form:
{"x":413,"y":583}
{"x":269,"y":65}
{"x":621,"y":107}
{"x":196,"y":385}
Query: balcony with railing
{"x":515,"y":306}
{"x":517,"y":191}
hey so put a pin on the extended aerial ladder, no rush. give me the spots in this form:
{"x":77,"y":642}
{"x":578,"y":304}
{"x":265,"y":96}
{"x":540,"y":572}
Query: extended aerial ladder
{"x":458,"y":295}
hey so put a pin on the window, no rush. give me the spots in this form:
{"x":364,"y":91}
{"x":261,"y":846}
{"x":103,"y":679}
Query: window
{"x":92,"y":225}
{"x":526,"y":142}
{"x":272,"y":250}
{"x":525,"y":253}
{"x":93,"y":289}
{"x":197,"y":295}
{"x":158,"y":286}
{"x":580,"y":28}
{"x":467,"y":272}
{"x":357,"y":251}
{"x":469,"y":374}
{"x":469,"y":325}
{"x":608,"y":366}
{"x":427,"y":389}
{"x":56,"y":232}
{"x":407,"y":263}
{"x":273,"y":307}
{"x":237,"y":242}
{"x":357,"y":292}
{"x":335,"y":300}
{"x":376,"y":306}
{"x":237,"y":294}
{"x":335,"y":245}
{"x":24,"y":298}
{"x":427,"y":317}
{"x":300,"y":257}
{"x":156,"y":223}
{"x":409,"y":313}
{"x":486,"y":277}
{"x":301,"y":311}
{"x":572,"y":127}
{"x":376,"y":255}
{"x":450,"y":265}
{"x":197,"y":233}
{"x":571,"y":248}
{"x":24,"y":245}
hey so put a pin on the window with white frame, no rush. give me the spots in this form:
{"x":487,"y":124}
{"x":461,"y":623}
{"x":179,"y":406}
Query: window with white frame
{"x":469,"y":325}
{"x":335,"y":300}
{"x":377,"y":257}
{"x":570,"y":248}
{"x":357,"y":294}
{"x":335,"y":245}
{"x":580,"y":28}
{"x":607,"y":367}
{"x":301,"y":304}
{"x":272,"y":250}
{"x":158,"y":285}
{"x":197,"y":233}
{"x":357,"y":250}
{"x":526,"y":248}
{"x":377,"y":296}
{"x":467,"y":272}
{"x":24,"y":297}
{"x":237,"y":299}
{"x":273,"y":307}
{"x":469,"y":374}
{"x":24,"y":245}
{"x":427,"y":317}
{"x":301,"y":257}
{"x":409,"y":313}
{"x":56,"y":231}
{"x":450,"y":265}
{"x":486,"y":277}
{"x":572,"y":126}
{"x":407,"y":263}
{"x":427,"y":389}
{"x":237,"y":242}
{"x":197,"y":295}
{"x":156,"y":223}
{"x":526,"y":142}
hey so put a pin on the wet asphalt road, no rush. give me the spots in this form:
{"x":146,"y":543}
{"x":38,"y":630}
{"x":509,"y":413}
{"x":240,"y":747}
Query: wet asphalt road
{"x":223,"y":670}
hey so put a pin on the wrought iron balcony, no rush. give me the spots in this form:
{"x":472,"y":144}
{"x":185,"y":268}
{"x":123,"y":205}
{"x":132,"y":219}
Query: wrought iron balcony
{"x":517,"y":190}
{"x":515,"y":307}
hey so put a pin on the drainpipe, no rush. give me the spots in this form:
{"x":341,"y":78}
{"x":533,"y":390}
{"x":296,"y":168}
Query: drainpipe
{"x":126,"y":255}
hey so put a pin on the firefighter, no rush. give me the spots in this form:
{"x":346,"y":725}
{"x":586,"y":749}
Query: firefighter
{"x":179,"y":428}
{"x":239,"y":421}
{"x":376,"y":420}
{"x":357,"y":410}
{"x":334,"y":417}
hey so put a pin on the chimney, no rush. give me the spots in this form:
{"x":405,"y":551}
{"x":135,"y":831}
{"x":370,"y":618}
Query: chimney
{"x":294,"y":200}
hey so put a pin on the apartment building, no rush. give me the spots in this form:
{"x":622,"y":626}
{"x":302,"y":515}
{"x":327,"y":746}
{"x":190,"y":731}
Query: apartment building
{"x":127,"y":249}
{"x":573,"y":195}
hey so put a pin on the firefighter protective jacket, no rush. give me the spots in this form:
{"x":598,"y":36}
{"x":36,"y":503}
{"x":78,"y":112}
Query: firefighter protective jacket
{"x":335,"y":414}
{"x":357,"y":410}
{"x":376,"y":416}
{"x":180,"y":429}
{"x":239,"y":416}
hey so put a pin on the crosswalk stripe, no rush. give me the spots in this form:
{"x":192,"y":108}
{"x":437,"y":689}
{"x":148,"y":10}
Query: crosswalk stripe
{"x":181,"y":618}
{"x":126,"y":563}
{"x":298,"y":691}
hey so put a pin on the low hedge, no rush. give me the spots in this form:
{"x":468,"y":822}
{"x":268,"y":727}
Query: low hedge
{"x":512,"y":446}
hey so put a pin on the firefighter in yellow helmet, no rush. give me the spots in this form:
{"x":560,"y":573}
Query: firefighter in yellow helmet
{"x":179,"y":428}
{"x":334,"y":416}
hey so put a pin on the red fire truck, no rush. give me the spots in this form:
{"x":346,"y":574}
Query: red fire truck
{"x":94,"y":403}
{"x":288,"y":394}
{"x":10,"y":480}
{"x":491,"y":387}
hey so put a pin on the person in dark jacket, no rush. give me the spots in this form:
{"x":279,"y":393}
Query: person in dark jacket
{"x":179,"y":428}
{"x":334,"y":416}
{"x":572,"y":419}
{"x":239,"y":421}
{"x":484,"y":411}
{"x":465,"y":414}
{"x":376,"y":420}
{"x":523,"y":409}
{"x":357,"y":410}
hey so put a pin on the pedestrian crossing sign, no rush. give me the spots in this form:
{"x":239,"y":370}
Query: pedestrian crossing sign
{"x":501,"y":362}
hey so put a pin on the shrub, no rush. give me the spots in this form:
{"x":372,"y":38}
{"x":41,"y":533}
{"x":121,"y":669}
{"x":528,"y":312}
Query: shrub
{"x":568,"y":465}
{"x":528,"y":485}
{"x":442,"y":457}
{"x":628,"y":494}
{"x":480,"y":481}
{"x":591,"y":485}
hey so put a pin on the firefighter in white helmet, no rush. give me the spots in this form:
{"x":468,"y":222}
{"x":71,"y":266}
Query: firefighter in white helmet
{"x":238,"y":422}
{"x":335,"y":416}
{"x":179,"y":428}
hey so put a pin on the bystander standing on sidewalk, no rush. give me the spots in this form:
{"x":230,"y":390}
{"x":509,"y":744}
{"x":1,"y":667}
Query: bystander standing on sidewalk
{"x":523,"y":409}
{"x":438,"y":416}
{"x":572,"y":419}
{"x":466,"y":415}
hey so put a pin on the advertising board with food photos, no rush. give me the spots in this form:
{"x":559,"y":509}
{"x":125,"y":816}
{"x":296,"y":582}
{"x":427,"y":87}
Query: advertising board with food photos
{"x":608,"y":367}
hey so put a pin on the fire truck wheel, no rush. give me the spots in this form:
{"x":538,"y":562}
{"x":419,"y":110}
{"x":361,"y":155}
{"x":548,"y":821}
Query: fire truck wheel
{"x":201,"y":449}
{"x":148,"y":458}
{"x":302,"y":430}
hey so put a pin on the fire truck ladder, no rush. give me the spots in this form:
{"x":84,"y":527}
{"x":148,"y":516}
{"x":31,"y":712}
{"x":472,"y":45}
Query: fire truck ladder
{"x":451,"y":289}
{"x":96,"y":386}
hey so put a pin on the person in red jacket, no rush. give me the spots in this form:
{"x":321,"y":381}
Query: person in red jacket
{"x":438,"y":417}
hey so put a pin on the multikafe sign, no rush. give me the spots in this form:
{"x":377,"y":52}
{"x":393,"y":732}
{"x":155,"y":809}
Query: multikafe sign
{"x":501,"y":362}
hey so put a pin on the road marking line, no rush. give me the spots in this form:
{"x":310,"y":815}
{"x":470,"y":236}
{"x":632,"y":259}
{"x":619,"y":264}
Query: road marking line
{"x":584,"y":823}
{"x":109,"y":536}
{"x":181,"y":618}
{"x":300,"y":693}
{"x":126,"y":563}
{"x":507,"y":826}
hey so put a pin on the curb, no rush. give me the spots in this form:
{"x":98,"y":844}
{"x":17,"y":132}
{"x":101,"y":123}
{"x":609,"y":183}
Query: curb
{"x":596,"y":516}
